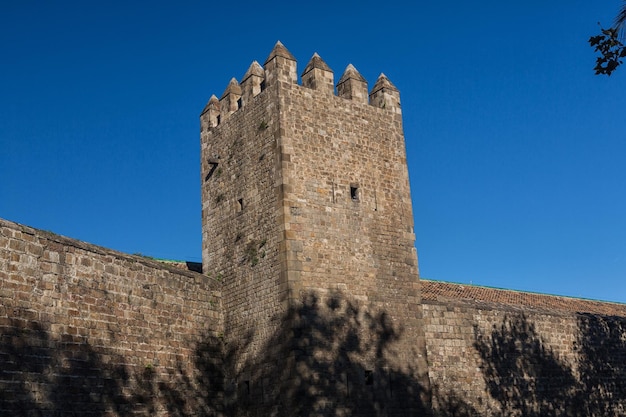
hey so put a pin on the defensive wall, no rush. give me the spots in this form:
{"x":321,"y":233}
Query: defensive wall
{"x":88,"y":331}
{"x":310,"y":302}
{"x":495,"y":352}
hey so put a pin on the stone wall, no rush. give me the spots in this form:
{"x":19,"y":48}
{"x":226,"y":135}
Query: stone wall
{"x":92,"y":332}
{"x":506,"y":353}
{"x":89,"y":331}
{"x":348,"y":221}
{"x":242,"y":239}
{"x":307,"y":220}
{"x":310,"y":302}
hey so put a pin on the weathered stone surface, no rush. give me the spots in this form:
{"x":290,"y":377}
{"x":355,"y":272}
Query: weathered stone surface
{"x":318,"y":185}
{"x":310,"y":302}
{"x":90,"y":331}
{"x":499,"y":353}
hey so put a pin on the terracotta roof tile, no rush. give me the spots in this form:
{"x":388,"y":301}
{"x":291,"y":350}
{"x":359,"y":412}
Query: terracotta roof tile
{"x":447,"y":291}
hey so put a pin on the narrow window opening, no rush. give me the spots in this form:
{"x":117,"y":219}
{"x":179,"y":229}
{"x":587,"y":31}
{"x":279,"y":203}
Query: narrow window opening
{"x":369,"y":377}
{"x":219,"y":119}
{"x":262,"y":85}
{"x":354,"y":192}
{"x":240,"y":201}
{"x":263,"y":392}
{"x":239,"y":103}
{"x":375,"y":201}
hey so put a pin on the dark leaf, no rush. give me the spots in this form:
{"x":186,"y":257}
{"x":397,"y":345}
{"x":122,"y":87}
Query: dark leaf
{"x":610,"y":49}
{"x":594,"y":40}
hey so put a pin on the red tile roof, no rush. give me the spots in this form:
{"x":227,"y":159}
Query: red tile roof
{"x":447,"y":291}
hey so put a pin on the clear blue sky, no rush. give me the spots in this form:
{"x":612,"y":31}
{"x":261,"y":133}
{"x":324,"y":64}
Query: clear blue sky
{"x":516,"y":150}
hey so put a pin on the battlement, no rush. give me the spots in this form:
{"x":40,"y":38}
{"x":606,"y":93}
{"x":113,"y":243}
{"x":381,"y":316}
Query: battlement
{"x":281,"y":67}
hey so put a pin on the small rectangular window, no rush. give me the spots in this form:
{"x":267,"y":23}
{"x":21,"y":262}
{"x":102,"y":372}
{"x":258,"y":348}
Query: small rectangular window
{"x":369,"y":377}
{"x":239,"y":103}
{"x":354,"y":192}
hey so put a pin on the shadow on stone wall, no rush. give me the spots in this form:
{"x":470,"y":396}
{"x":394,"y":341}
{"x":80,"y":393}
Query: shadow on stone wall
{"x":450,"y":405}
{"x":38,"y":380}
{"x":522,"y":375}
{"x":186,"y":392}
{"x":44,"y":377}
{"x":528,"y":379}
{"x":602,"y":365}
{"x":331,"y":360}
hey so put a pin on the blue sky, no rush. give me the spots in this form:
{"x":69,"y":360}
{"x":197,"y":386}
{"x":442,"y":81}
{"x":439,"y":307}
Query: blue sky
{"x":516,"y":149}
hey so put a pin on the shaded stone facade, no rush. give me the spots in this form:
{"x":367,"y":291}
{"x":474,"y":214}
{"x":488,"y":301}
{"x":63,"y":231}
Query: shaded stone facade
{"x":494,"y":352}
{"x":89,"y":331}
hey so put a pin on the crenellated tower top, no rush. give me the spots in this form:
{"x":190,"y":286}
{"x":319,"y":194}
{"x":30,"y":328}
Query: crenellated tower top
{"x":352,"y":85}
{"x":317,"y":75}
{"x":384,"y":94}
{"x":252,"y":82}
{"x":281,"y":67}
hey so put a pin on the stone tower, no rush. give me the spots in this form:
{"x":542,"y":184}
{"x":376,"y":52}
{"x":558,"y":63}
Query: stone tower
{"x":307,"y":221}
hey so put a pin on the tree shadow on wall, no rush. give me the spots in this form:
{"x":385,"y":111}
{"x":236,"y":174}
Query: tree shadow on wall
{"x":451,"y":405}
{"x":189,"y":389}
{"x":37,"y":379}
{"x":40,"y":376}
{"x":602,"y":364}
{"x":333,"y":357}
{"x":521,"y":374}
{"x":528,"y":379}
